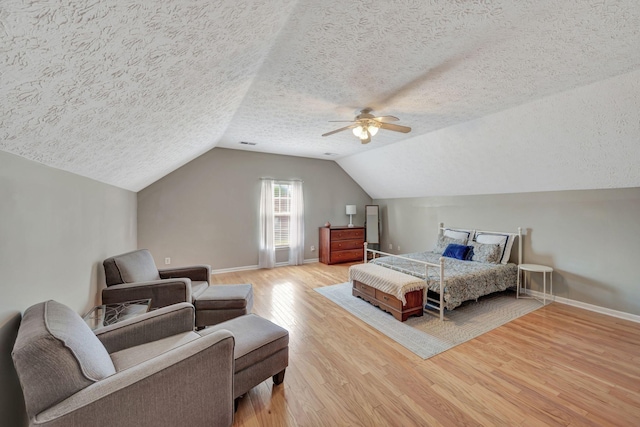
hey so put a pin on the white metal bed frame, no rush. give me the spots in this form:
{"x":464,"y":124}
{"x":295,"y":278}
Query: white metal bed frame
{"x":438,"y":304}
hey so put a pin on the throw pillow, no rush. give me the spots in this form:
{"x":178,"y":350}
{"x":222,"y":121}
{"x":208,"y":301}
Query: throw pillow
{"x":456,"y":251}
{"x":486,"y":252}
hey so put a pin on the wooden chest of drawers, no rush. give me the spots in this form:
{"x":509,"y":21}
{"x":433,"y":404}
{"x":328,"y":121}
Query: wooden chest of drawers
{"x":341,"y":244}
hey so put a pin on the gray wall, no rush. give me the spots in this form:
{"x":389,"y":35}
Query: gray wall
{"x":55,"y":230}
{"x":207,"y":211}
{"x":590,"y":237}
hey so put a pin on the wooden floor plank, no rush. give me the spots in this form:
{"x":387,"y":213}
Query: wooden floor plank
{"x":559,"y":365}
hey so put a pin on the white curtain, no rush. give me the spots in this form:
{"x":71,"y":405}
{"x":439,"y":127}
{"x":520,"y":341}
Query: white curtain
{"x":267,"y":254}
{"x":296,"y":225}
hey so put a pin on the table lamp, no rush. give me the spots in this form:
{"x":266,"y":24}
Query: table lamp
{"x":351,"y":210}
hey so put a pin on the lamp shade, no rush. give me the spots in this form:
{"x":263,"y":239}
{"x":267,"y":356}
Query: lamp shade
{"x":351,"y":209}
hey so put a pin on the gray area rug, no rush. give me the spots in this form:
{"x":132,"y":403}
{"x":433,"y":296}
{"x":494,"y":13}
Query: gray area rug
{"x":427,"y":336}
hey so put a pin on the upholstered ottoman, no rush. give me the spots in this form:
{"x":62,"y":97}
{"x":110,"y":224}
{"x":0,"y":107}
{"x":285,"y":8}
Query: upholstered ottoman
{"x":223,"y":302}
{"x":261,"y":351}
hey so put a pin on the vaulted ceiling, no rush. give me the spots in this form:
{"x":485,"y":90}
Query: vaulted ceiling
{"x":126,"y":92}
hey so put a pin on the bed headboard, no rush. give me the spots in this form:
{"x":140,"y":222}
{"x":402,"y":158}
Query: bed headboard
{"x":441,"y":229}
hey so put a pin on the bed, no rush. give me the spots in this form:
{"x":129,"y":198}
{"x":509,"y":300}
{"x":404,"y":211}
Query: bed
{"x":450,"y":281}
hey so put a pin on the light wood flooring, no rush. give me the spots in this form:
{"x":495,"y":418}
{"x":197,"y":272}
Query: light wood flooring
{"x":559,"y":365}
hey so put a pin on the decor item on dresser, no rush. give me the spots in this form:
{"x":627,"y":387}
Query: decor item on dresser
{"x":462,"y":277}
{"x":341,"y":244}
{"x":351,"y":210}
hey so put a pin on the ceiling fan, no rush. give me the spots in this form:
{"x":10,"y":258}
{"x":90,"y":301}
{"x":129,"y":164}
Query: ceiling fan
{"x":365,"y":125}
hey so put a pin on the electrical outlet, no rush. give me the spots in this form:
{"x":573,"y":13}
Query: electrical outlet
{"x":167,"y":261}
{"x":313,"y":248}
{"x":390,"y":246}
{"x":398,"y":247}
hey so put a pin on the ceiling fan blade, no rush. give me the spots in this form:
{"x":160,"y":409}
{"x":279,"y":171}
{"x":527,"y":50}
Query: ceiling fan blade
{"x":342,"y":121}
{"x":395,"y":128}
{"x":340,"y":130}
{"x":384,"y":119}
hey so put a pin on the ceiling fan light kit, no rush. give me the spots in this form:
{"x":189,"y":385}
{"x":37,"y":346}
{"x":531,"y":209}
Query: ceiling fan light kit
{"x":365,"y":132}
{"x":367,"y":125}
{"x":360,"y":130}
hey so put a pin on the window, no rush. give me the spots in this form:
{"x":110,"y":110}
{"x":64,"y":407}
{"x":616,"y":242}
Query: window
{"x":281,"y":221}
{"x":281,"y":213}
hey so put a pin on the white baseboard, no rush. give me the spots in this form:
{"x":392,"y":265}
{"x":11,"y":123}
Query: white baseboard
{"x":255,"y":267}
{"x":586,"y":306}
{"x":234,"y":269}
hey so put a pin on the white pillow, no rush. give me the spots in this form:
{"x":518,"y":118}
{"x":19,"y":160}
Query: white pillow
{"x":504,"y":240}
{"x":466,"y":235}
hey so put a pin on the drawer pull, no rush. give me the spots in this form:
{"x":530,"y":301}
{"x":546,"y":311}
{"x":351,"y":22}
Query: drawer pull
{"x":385,"y":298}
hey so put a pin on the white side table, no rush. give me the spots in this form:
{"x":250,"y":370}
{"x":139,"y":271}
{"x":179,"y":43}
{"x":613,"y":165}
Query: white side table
{"x":525,"y":270}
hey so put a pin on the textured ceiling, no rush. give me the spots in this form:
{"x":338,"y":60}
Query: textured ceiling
{"x":126,"y":92}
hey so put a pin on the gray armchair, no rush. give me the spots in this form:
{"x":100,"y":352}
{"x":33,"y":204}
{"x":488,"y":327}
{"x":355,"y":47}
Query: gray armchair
{"x":147,"y":371}
{"x":134,"y":275}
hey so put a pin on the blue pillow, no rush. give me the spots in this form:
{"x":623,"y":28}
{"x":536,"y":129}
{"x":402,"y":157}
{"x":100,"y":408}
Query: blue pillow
{"x":456,"y":251}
